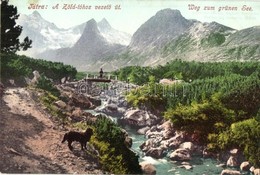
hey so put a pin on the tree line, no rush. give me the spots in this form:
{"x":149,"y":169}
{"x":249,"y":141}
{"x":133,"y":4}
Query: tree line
{"x":15,"y":67}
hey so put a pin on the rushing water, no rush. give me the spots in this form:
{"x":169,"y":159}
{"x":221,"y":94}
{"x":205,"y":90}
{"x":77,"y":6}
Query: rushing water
{"x":163,"y":166}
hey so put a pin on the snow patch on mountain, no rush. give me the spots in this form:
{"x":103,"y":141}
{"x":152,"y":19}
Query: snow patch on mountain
{"x":47,"y":36}
{"x":112,"y":35}
{"x":59,"y":39}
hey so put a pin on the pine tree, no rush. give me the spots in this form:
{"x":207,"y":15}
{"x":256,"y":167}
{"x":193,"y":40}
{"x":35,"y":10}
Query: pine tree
{"x":10,"y":32}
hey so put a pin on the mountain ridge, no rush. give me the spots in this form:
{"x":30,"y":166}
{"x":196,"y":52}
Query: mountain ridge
{"x":164,"y":37}
{"x":91,"y":47}
{"x":47,"y":36}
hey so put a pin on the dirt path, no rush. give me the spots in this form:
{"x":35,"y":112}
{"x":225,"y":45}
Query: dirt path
{"x":31,"y":143}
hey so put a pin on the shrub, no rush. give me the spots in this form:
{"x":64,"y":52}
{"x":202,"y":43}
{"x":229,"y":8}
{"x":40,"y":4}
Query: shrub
{"x":205,"y":118}
{"x":246,"y":135}
{"x":115,"y":156}
{"x":46,"y":84}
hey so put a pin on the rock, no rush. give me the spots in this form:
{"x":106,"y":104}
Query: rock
{"x":175,"y":141}
{"x":155,"y":153}
{"x":154,"y":134}
{"x":187,"y":167}
{"x":36,"y":77}
{"x":185,"y":163}
{"x":11,"y":82}
{"x":148,"y":144}
{"x":245,"y":166}
{"x":89,"y":167}
{"x":77,"y":115}
{"x":252,"y":168}
{"x":222,"y":165}
{"x":112,"y":110}
{"x":180,"y":155}
{"x":230,"y":172}
{"x":206,"y":153}
{"x":256,"y":171}
{"x":128,"y":141}
{"x":167,"y":134}
{"x":112,"y":107}
{"x":234,"y":151}
{"x":164,"y":144}
{"x":166,"y":125}
{"x":143,"y":131}
{"x":147,"y":168}
{"x":79,"y":100}
{"x":154,"y":128}
{"x":61,"y":104}
{"x":187,"y":145}
{"x":232,"y":162}
{"x":77,"y":112}
{"x":166,"y":81}
{"x":95,"y":101}
{"x":174,"y":144}
{"x":122,"y":102}
{"x":140,"y":118}
{"x":2,"y":89}
{"x":166,"y":130}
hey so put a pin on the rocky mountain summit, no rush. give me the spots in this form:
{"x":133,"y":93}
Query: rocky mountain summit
{"x":158,"y":30}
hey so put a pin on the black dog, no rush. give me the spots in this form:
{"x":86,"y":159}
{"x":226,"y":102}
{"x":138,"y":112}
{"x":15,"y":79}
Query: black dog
{"x":82,"y":137}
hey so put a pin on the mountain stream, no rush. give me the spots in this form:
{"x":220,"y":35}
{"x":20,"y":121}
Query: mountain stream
{"x":200,"y":166}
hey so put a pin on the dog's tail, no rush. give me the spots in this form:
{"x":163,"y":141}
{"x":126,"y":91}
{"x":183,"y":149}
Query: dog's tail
{"x":64,"y":138}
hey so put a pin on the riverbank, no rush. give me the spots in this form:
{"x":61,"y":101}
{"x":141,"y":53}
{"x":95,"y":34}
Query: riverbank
{"x":168,"y":150}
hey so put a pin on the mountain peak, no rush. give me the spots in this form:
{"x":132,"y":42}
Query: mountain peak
{"x":91,"y":26}
{"x":166,"y":25}
{"x":92,"y":22}
{"x":36,"y":14}
{"x":104,"y":24}
{"x":169,"y":11}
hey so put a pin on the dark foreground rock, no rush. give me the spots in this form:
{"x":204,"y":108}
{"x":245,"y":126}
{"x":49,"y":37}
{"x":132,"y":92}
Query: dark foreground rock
{"x":148,"y":168}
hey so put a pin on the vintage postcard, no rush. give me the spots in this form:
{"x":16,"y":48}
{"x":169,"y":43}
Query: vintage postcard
{"x":130,"y":87}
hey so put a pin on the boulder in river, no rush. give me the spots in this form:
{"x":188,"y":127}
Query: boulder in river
{"x":245,"y":166}
{"x":94,"y":101}
{"x":232,"y":162}
{"x":142,"y":131}
{"x":155,"y":153}
{"x":187,"y":145}
{"x":257,"y":171}
{"x":180,"y":154}
{"x":147,"y":168}
{"x":148,"y":144}
{"x":140,"y":118}
{"x":186,"y":165}
{"x":230,"y":172}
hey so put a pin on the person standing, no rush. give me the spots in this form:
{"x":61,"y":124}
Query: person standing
{"x":101,"y":73}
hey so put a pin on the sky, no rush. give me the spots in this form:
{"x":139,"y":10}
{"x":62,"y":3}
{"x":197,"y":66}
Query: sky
{"x":129,"y":15}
